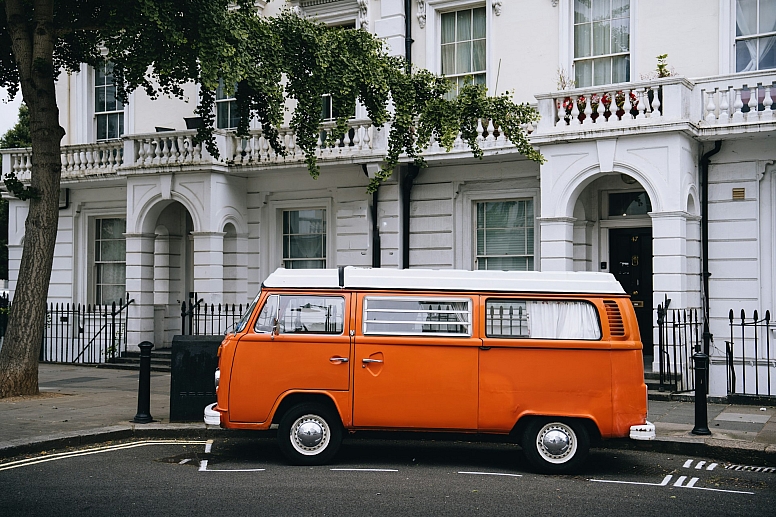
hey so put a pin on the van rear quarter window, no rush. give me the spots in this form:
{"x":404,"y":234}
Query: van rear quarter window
{"x":541,"y":319}
{"x":417,"y":316}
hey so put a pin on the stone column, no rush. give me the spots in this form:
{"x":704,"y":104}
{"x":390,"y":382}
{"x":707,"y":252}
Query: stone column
{"x":209,"y":266}
{"x":557,"y":243}
{"x":140,"y":286}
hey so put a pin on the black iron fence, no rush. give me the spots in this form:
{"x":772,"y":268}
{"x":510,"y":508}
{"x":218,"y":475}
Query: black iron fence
{"x":679,"y":336}
{"x":751,"y":364}
{"x":79,"y":333}
{"x":202,"y":319}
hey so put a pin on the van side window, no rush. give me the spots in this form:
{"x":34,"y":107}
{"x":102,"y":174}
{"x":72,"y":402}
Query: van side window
{"x":541,"y":319}
{"x":415,"y":316}
{"x":311,"y":314}
{"x":267,"y":315}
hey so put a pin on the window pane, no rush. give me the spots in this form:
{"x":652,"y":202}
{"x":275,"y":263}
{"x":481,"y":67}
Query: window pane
{"x":478,"y":23}
{"x":629,"y":203}
{"x":583,"y":74}
{"x":541,"y":319}
{"x":620,"y":8}
{"x":601,"y":10}
{"x":478,"y":55}
{"x":448,"y":27}
{"x":746,"y":17}
{"x":582,"y":11}
{"x":102,"y":127}
{"x":601,"y":38}
{"x":223,"y":115}
{"x":113,"y":125}
{"x":581,"y":41}
{"x":305,"y":246}
{"x":505,"y":242}
{"x":304,"y":264}
{"x":463,"y":60}
{"x":99,"y":99}
{"x":448,"y":59}
{"x":464,"y":29}
{"x":110,"y":98}
{"x":620,"y":35}
{"x":746,"y":51}
{"x":311,"y":315}
{"x":399,"y":316}
{"x":767,"y":53}
{"x":621,"y":69}
{"x":267,"y":315}
{"x":505,"y":235}
{"x":767,"y":16}
{"x":602,"y":71}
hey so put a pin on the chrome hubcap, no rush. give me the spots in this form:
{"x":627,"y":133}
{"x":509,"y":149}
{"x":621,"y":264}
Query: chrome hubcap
{"x":556,"y":443}
{"x":310,"y":435}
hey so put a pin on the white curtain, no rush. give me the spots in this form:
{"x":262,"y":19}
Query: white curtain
{"x":562,"y":320}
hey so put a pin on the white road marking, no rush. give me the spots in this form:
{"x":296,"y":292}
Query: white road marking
{"x":711,"y":466}
{"x":365,"y":470}
{"x":94,"y":450}
{"x":662,"y":483}
{"x":492,"y":474}
{"x":183,"y":462}
{"x":687,"y":464}
{"x":677,"y":484}
{"x":208,"y":446}
{"x":203,"y":468}
{"x":700,"y":465}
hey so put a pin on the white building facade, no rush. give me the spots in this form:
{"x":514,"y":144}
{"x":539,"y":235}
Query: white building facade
{"x":145,"y":211}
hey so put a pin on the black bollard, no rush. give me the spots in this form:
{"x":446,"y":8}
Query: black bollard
{"x":143,"y":415}
{"x":701,"y":380}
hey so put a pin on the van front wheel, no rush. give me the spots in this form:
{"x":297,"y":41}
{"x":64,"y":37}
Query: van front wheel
{"x":555,"y":446}
{"x":309,"y":434}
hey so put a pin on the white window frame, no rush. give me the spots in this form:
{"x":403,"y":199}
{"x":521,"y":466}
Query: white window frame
{"x":84,"y":120}
{"x":434,"y":10}
{"x":727,"y":39}
{"x":466,"y":219}
{"x":96,"y":113}
{"x":276,"y":209}
{"x":566,"y":32}
{"x":90,"y":240}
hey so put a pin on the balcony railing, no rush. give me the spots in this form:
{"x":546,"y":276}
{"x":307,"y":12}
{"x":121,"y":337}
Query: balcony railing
{"x":707,"y":107}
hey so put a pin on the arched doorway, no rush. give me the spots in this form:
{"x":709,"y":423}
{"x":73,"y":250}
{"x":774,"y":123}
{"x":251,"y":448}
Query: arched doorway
{"x":615,"y":209}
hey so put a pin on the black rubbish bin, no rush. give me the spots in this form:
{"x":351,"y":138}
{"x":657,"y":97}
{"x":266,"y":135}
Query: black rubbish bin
{"x":192,"y":387}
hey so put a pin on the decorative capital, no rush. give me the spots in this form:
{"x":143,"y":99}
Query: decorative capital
{"x":422,"y":13}
{"x":363,"y":14}
{"x":497,"y":7}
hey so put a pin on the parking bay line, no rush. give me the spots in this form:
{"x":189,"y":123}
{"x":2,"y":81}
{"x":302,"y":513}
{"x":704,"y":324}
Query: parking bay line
{"x":493,"y":474}
{"x":363,"y":470}
{"x":95,"y":450}
{"x":203,"y":468}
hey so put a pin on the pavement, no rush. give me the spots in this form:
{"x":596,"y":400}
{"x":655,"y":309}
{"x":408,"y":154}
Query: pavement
{"x":82,"y":405}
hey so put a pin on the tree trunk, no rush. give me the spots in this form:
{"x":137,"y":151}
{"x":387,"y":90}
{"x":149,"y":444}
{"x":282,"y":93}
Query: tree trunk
{"x":33,"y":40}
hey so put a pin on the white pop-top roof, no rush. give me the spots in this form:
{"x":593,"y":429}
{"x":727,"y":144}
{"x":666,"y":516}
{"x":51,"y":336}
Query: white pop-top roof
{"x":445,"y":280}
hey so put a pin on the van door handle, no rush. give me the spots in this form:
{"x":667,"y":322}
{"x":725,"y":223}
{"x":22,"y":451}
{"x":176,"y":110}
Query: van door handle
{"x":338,"y":360}
{"x":367,"y":360}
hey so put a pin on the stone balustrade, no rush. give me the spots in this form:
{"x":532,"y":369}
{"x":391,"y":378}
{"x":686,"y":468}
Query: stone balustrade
{"x":740,"y":98}
{"x":78,"y":161}
{"x":162,"y":149}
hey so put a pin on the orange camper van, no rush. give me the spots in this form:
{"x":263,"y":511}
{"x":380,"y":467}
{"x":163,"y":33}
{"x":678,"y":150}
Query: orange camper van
{"x":553,"y":359}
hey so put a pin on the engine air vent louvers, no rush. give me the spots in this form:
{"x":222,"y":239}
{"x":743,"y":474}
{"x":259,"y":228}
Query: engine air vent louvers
{"x":616,"y":325}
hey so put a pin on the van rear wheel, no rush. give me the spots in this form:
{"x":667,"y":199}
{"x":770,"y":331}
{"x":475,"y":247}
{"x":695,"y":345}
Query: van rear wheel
{"x":555,"y":446}
{"x":309,"y":434}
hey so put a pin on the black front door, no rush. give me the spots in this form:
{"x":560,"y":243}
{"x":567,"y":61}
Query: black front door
{"x":630,"y":259}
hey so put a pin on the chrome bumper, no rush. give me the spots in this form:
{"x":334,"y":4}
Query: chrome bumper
{"x":213,"y":417}
{"x":643,"y":431}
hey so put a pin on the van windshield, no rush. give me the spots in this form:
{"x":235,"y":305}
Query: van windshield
{"x":246,"y":315}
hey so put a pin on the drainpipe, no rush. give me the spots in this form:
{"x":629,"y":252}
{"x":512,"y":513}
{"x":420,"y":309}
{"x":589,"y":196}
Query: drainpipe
{"x":408,"y":34}
{"x":704,"y":163}
{"x":375,"y":224}
{"x":406,"y":189}
{"x":412,"y":169}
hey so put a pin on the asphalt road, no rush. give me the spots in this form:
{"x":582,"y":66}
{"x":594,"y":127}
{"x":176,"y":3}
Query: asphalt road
{"x":372,"y":477}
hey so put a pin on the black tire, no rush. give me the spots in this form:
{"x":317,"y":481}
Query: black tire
{"x":309,"y":434}
{"x":555,"y":445}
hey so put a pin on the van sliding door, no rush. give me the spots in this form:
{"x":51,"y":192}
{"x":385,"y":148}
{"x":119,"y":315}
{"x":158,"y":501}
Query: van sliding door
{"x":415,"y":363}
